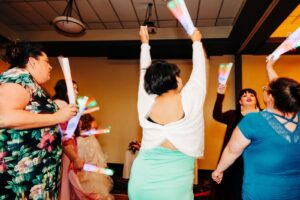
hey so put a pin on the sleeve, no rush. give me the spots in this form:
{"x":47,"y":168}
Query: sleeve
{"x":143,"y":97}
{"x":23,"y":79}
{"x":248,"y":125}
{"x":218,"y":115}
{"x":197,"y":80}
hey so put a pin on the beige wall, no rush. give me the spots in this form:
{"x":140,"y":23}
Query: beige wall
{"x":113,"y":83}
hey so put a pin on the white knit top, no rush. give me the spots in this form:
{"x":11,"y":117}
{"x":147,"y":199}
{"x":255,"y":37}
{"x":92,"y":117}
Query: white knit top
{"x":186,"y":134}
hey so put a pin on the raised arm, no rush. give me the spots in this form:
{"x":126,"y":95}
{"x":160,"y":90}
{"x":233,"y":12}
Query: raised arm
{"x":198,"y":75}
{"x":271,"y":73}
{"x":13,"y":101}
{"x":218,"y":115}
{"x":145,"y":62}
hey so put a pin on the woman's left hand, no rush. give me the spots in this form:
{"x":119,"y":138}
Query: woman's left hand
{"x":217,"y":176}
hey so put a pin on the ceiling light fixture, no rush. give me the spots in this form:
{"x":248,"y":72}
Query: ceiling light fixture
{"x":66,"y":23}
{"x":152,"y":28}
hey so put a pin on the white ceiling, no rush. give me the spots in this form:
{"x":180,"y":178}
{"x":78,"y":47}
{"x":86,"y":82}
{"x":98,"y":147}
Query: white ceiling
{"x":30,"y":17}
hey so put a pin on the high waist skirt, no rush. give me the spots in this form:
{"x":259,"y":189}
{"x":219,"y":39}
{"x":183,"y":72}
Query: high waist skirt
{"x":161,"y":174}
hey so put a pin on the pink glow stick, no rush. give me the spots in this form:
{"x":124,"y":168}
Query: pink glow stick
{"x":96,"y":132}
{"x":224,"y":71}
{"x":291,"y":42}
{"x":180,"y":11}
{"x":90,"y":110}
{"x":99,"y":170}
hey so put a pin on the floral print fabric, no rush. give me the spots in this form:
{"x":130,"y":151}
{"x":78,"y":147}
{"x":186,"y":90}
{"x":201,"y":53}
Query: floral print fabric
{"x":30,"y":159}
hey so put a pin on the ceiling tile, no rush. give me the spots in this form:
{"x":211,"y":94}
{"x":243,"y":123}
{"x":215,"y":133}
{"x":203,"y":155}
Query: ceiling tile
{"x":167,"y":24}
{"x":87,"y":12}
{"x":28,"y":12}
{"x":95,"y":25}
{"x":209,"y":9}
{"x":131,"y":24}
{"x":124,"y":9}
{"x":13,"y":14}
{"x":206,"y":22}
{"x":44,"y":10}
{"x":230,"y":8}
{"x":225,"y":22}
{"x":104,"y":10}
{"x":113,"y":25}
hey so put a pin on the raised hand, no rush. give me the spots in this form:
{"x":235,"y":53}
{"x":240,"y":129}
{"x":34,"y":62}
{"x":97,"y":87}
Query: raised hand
{"x":144,"y":36}
{"x":196,"y":36}
{"x":221,"y":88}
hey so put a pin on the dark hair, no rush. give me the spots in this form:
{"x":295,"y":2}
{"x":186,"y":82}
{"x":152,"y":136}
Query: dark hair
{"x":251,"y":91}
{"x":61,"y":90}
{"x":286,"y":94}
{"x":17,"y":54}
{"x":86,"y":121}
{"x":160,"y":77}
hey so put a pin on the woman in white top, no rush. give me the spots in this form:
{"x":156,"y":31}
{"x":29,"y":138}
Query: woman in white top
{"x":172,"y":120}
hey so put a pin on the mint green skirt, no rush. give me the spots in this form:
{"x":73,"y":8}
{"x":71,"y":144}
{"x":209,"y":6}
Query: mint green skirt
{"x":161,"y":174}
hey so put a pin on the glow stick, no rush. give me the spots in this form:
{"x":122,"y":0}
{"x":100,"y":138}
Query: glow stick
{"x":180,"y":11}
{"x":99,"y":170}
{"x":65,"y":65}
{"x":90,"y":110}
{"x":292,"y":42}
{"x":73,"y":122}
{"x":224,"y":71}
{"x":96,"y":132}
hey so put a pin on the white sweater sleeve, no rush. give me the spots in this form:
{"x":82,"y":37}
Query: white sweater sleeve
{"x":197,"y":81}
{"x":144,"y":99}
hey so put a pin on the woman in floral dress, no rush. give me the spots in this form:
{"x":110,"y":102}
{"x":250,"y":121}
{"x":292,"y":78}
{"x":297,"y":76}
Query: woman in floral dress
{"x":30,"y":143}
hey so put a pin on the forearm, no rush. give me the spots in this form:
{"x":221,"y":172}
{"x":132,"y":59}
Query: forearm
{"x":271,"y":73}
{"x":227,"y":159}
{"x":70,"y":150}
{"x":217,"y":111}
{"x":21,"y":119}
{"x":199,"y":67}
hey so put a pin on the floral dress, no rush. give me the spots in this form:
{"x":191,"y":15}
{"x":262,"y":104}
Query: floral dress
{"x":30,"y":159}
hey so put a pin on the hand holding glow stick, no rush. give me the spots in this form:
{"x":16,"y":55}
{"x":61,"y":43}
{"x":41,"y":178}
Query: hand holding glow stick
{"x":73,"y":122}
{"x":292,"y":42}
{"x":180,"y":11}
{"x":224,"y":71}
{"x":99,"y":170}
{"x":65,"y":65}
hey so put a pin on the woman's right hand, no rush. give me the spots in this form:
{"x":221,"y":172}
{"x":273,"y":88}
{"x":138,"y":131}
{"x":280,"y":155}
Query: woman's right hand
{"x":144,"y":36}
{"x":217,"y":176}
{"x":196,"y":36}
{"x":66,"y":113}
{"x":221,"y":89}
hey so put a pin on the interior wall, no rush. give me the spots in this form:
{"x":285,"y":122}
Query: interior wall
{"x":113,"y":83}
{"x":254,"y":73}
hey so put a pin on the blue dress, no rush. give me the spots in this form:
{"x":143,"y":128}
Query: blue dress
{"x":272,"y":160}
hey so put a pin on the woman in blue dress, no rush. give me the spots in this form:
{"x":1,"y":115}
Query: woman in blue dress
{"x":270,"y":143}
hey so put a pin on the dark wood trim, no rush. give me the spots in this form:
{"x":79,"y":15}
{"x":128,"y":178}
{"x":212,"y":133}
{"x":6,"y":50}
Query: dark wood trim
{"x":238,"y":76}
